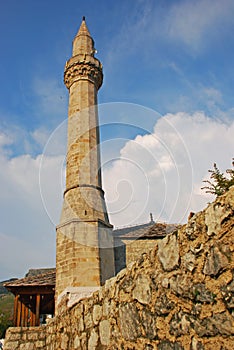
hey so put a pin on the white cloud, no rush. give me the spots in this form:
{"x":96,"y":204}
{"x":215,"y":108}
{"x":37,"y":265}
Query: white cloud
{"x":4,"y":140}
{"x":163,"y":172}
{"x":192,"y":22}
{"x":27,"y":229}
{"x":51,"y":96}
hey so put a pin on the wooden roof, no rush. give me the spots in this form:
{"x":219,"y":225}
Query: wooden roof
{"x":41,"y":280}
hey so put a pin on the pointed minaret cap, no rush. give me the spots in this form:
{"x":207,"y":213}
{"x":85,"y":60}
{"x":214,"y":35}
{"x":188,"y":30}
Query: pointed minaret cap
{"x":83,"y":42}
{"x":83,"y":30}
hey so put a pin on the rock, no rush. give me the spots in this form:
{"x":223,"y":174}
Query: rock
{"x":201,"y":294}
{"x":163,"y":306}
{"x":182,"y":285}
{"x":97,"y":313}
{"x":65,"y":341}
{"x":88,"y":321}
{"x":93,"y":340}
{"x":215,"y":215}
{"x":196,"y":345}
{"x":197,"y":249}
{"x":126,"y":284}
{"x":216,"y":261}
{"x":129,"y":321}
{"x":193,"y":228}
{"x":167,"y":345}
{"x":149,"y":324}
{"x":219,"y":324}
{"x":168,"y":252}
{"x":142,"y":290}
{"x":77,"y":342}
{"x":180,"y":324}
{"x":105,"y":332}
{"x":228,"y":295}
{"x":224,"y":323}
{"x":188,"y":261}
{"x":106,"y":307}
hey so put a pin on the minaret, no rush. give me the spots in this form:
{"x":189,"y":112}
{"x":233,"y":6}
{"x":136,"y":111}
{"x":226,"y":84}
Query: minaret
{"x":84,"y":255}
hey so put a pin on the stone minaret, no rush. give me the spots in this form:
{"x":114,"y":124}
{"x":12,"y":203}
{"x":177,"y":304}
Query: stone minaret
{"x":84,"y":256}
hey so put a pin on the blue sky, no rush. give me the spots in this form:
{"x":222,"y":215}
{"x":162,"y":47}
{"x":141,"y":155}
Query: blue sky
{"x":168,"y":74}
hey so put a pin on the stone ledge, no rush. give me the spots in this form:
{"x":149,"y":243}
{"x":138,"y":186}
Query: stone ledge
{"x":72,"y":295}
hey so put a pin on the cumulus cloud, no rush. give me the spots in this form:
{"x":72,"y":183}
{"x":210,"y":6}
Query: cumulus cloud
{"x":163,"y":172}
{"x":27,"y":233}
{"x":159,"y":172}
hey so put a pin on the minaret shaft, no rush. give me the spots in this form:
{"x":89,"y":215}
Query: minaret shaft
{"x":83,"y":136}
{"x":84,"y":254}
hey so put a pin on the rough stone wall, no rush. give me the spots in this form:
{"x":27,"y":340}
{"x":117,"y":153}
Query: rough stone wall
{"x":25,"y":338}
{"x":178,"y":296}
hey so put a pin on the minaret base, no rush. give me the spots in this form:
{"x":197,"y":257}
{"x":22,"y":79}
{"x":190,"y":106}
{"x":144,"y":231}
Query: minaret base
{"x":85,"y":255}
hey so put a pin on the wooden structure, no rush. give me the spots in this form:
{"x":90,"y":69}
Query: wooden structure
{"x":34,"y":298}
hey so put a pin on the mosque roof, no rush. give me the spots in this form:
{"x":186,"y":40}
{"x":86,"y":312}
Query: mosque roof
{"x":151,"y":230}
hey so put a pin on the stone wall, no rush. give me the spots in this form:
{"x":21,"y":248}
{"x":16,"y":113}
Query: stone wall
{"x":26,"y":338}
{"x":178,"y":296}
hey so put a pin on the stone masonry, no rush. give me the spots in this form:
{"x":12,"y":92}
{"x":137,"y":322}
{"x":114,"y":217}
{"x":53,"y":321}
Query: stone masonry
{"x":179,"y":296}
{"x":84,"y":245}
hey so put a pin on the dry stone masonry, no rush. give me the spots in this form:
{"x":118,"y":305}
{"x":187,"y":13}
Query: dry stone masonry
{"x":180,"y":296}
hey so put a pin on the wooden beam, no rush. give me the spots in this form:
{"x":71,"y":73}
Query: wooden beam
{"x":26,"y":316}
{"x":38,"y":300}
{"x":32,"y":290}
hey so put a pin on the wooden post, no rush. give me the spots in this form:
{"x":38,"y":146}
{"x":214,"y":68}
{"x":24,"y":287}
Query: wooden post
{"x":38,"y":299}
{"x":15,"y":309}
{"x":32,"y":319}
{"x":22,"y":315}
{"x":19,"y":306}
{"x":26,"y":316}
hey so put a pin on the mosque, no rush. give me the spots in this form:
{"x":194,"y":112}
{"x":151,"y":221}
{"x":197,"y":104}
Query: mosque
{"x":88,"y":248}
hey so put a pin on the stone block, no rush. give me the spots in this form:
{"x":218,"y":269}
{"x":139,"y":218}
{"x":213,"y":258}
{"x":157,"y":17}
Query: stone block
{"x":168,"y":252}
{"x":142,"y":290}
{"x":105,"y":332}
{"x":93,"y":340}
{"x":97,"y":314}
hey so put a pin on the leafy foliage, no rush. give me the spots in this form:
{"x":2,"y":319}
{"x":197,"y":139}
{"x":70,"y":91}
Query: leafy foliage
{"x":6,"y":313}
{"x":219,"y":183}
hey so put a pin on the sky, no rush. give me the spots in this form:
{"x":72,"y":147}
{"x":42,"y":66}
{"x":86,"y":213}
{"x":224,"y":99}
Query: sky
{"x":166,"y":112}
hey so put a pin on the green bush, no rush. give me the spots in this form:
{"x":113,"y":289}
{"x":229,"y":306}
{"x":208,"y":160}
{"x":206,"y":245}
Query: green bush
{"x":219,"y":183}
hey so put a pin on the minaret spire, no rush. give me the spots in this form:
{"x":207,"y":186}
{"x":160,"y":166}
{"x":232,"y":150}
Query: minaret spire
{"x":83,"y":42}
{"x":84,"y":256}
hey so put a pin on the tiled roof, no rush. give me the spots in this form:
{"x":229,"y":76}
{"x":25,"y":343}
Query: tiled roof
{"x":35,"y":272}
{"x":46,"y":279}
{"x":150,"y":230}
